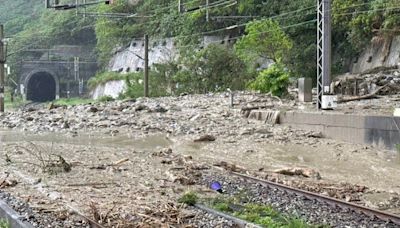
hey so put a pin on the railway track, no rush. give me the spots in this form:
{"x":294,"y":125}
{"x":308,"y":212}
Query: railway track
{"x":387,"y":217}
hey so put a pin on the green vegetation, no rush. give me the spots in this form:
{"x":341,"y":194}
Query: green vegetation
{"x":264,"y":39}
{"x":103,"y":77}
{"x":105,"y":99}
{"x":214,"y":68}
{"x":189,"y":198}
{"x":17,"y":102}
{"x":398,"y":148}
{"x":4,"y":224}
{"x":275,"y":79}
{"x":72,"y":101}
{"x":262,"y":215}
{"x":283,"y":31}
{"x":379,"y":17}
{"x":31,"y":26}
{"x":17,"y":13}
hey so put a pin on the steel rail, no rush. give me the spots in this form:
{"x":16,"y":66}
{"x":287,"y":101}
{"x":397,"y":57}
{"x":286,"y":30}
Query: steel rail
{"x":387,"y":217}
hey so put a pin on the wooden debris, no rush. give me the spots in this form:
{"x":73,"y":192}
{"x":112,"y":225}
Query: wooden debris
{"x":91,"y":184}
{"x":6,"y":182}
{"x":243,"y":109}
{"x":98,"y":217}
{"x":205,"y":138}
{"x":363,"y":97}
{"x":179,"y":179}
{"x":117,"y":163}
{"x":305,"y":172}
{"x":230,"y":167}
{"x":114,"y":164}
{"x":163,"y":153}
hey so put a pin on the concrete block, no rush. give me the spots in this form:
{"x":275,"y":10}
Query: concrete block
{"x":381,"y":131}
{"x":396,"y":112}
{"x":305,"y":89}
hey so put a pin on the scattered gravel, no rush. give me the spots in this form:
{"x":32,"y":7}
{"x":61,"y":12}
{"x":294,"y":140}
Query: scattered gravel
{"x":312,"y":211}
{"x":35,"y":218}
{"x":199,"y":217}
{"x":204,"y":219}
{"x":190,"y":117}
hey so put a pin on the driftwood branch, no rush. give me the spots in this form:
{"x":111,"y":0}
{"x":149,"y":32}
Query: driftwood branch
{"x":257,"y":107}
{"x":363,"y":97}
{"x":262,"y":99}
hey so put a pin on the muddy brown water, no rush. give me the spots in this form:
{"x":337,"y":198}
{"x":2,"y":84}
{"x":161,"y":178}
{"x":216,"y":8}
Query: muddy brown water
{"x":336,"y":162}
{"x":151,"y":142}
{"x":373,"y":168}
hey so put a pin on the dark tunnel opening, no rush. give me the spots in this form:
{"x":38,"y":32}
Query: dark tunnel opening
{"x":41,"y":87}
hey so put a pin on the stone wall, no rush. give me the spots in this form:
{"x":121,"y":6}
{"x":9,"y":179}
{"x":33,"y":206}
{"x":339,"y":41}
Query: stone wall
{"x":382,"y":53}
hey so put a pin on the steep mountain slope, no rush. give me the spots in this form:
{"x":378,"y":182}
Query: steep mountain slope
{"x":16,"y":14}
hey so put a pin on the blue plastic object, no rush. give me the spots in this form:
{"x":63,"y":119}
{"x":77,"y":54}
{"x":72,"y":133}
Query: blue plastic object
{"x":216,"y":186}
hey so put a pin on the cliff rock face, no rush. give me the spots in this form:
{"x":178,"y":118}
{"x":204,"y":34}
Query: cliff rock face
{"x":111,"y":88}
{"x":131,"y":59}
{"x":381,"y":54}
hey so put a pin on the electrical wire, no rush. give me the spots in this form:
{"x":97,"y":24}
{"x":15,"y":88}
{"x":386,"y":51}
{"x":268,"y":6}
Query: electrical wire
{"x":240,"y":25}
{"x":368,"y":11}
{"x":225,"y":28}
{"x":238,"y":37}
{"x":281,"y":15}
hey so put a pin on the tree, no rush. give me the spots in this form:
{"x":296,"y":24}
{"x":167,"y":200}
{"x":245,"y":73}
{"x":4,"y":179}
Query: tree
{"x":264,"y":40}
{"x":214,"y":68}
{"x":361,"y":20}
{"x":275,"y":79}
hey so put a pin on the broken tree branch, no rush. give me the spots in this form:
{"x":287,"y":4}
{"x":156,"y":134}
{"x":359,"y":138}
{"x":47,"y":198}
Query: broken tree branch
{"x":90,"y":184}
{"x":257,"y":107}
{"x":117,"y":163}
{"x":363,"y":97}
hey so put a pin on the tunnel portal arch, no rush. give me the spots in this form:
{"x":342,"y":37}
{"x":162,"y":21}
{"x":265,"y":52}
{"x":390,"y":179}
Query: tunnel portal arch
{"x":41,"y":86}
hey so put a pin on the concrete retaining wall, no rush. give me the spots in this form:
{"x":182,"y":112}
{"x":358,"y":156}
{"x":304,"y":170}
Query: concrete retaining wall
{"x":111,"y":88}
{"x":381,"y":131}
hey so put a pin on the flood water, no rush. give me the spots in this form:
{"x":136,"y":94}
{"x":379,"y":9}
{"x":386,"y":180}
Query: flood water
{"x":89,"y":139}
{"x":373,"y":168}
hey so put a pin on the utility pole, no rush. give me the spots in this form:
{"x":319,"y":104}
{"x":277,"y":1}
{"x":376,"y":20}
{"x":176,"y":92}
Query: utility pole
{"x":323,"y":49}
{"x":2,"y":71}
{"x":207,"y":10}
{"x":146,"y":65}
{"x":76,"y":68}
{"x":180,"y":8}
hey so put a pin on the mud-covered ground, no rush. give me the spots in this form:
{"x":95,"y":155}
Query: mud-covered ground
{"x":110,"y":161}
{"x":380,"y":105}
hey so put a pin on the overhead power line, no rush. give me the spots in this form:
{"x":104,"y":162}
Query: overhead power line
{"x":238,"y":37}
{"x":42,"y":34}
{"x":231,"y":27}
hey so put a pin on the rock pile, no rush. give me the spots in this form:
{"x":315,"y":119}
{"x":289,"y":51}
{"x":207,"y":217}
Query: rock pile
{"x":358,"y":85}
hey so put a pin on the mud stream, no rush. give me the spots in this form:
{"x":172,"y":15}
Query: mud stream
{"x":370,"y":167}
{"x":336,"y":162}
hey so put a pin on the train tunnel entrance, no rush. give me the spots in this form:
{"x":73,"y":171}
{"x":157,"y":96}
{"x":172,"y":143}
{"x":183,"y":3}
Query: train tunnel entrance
{"x":41,"y":87}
